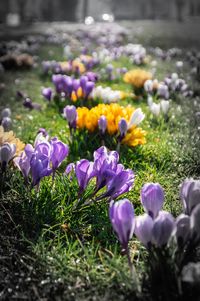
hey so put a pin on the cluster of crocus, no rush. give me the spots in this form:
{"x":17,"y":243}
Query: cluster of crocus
{"x":112,"y":179}
{"x":130,"y":134}
{"x":6,"y":120}
{"x":73,"y":88}
{"x":137,"y":78}
{"x":157,"y":108}
{"x":42,"y":159}
{"x":177,"y":85}
{"x":65,"y":67}
{"x":107,"y":95}
{"x":157,"y":227}
{"x":136,"y":52}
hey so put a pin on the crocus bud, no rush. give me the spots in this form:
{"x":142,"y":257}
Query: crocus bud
{"x":70,"y":114}
{"x":182,"y":229}
{"x":47,"y":93}
{"x":190,"y":194}
{"x":164,"y":105}
{"x":5,"y":113}
{"x":162,"y":228}
{"x":7,"y":152}
{"x":152,"y":198}
{"x":195,"y":223}
{"x":102,"y":123}
{"x":6,"y":123}
{"x":123,"y":127}
{"x":143,"y":228}
{"x":88,"y":88}
{"x":121,"y":215}
{"x":136,"y":118}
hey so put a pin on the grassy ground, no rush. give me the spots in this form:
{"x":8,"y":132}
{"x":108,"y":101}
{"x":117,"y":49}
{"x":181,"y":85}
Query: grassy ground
{"x":51,"y":252}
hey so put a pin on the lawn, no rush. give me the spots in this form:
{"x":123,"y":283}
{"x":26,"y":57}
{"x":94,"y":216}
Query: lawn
{"x":54,"y":250}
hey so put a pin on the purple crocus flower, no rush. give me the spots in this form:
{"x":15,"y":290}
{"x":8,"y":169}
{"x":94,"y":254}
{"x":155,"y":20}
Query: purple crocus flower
{"x":102,"y":123}
{"x":57,"y":80}
{"x":88,"y":88}
{"x":91,"y":76}
{"x":47,"y":93}
{"x":76,"y":84}
{"x":152,"y":198}
{"x":83,"y":81}
{"x":70,"y":114}
{"x":6,"y":113}
{"x":59,"y":152}
{"x":121,"y":215}
{"x":123,"y":127}
{"x":119,"y":184}
{"x":67,"y":85}
{"x":162,"y":228}
{"x":84,"y":172}
{"x":143,"y":229}
{"x":182,"y":229}
{"x":40,"y":168}
{"x":6,"y":123}
{"x":105,"y":164}
{"x":190,"y":194}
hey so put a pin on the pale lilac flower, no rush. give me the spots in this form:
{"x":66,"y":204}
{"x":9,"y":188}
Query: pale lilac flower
{"x":6,"y":123}
{"x":162,"y":228}
{"x":70,"y":114}
{"x":7,"y":152}
{"x":122,"y":218}
{"x":47,"y":93}
{"x":102,"y":123}
{"x":152,"y":198}
{"x":5,"y":113}
{"x":123,"y":127}
{"x":190,"y":194}
{"x":182,"y":229}
{"x":143,"y":229}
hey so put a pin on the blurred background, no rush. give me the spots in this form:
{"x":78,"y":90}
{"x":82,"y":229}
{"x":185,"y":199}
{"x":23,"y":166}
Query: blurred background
{"x":16,"y":12}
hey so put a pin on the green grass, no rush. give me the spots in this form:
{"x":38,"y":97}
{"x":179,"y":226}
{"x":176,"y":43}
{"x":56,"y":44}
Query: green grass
{"x":79,"y":247}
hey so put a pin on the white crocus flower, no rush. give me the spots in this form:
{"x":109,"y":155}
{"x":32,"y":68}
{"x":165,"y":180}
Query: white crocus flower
{"x":149,"y":100}
{"x":164,"y":105}
{"x":136,"y":118}
{"x":148,"y":86}
{"x":155,"y":109}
